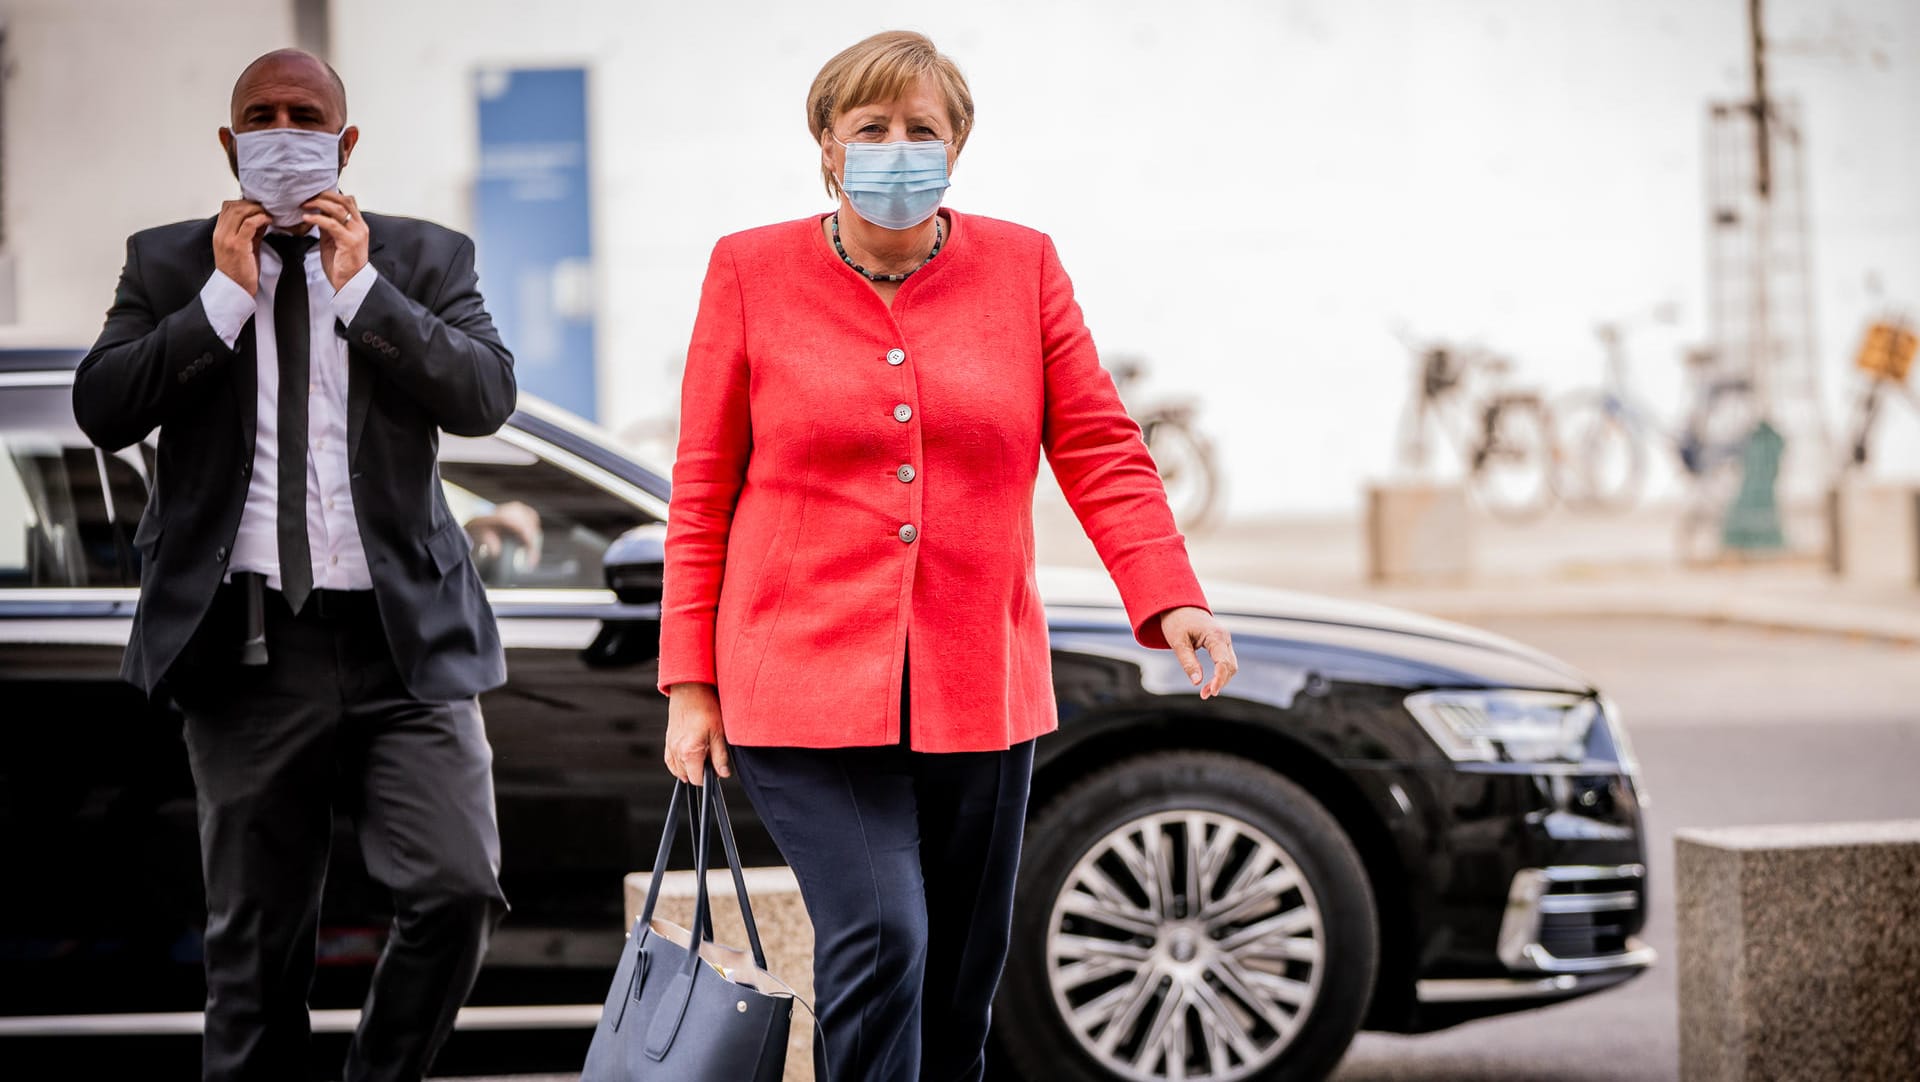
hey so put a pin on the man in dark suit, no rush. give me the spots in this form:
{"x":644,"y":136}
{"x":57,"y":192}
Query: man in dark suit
{"x":300,"y":359}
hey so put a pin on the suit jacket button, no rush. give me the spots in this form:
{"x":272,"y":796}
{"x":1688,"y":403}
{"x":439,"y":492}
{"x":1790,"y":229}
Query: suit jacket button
{"x":246,"y":468}
{"x":904,"y":473}
{"x":896,"y":356}
{"x":185,"y":376}
{"x":903,"y":413}
{"x":908,"y":533}
{"x":220,"y":554}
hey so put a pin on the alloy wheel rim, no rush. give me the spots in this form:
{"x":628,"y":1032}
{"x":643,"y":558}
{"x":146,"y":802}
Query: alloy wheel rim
{"x":1185,"y":945}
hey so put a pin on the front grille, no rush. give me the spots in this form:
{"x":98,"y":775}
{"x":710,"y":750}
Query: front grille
{"x":1581,"y":918}
{"x":1581,"y":935}
{"x":1573,"y":919}
{"x":1612,"y":884}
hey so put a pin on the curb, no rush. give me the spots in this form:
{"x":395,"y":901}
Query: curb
{"x":1839,"y":621}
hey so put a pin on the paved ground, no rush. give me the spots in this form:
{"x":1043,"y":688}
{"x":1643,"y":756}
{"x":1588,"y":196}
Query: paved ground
{"x":1562,"y":564}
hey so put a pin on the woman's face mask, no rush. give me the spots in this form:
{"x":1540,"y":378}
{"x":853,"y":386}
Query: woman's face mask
{"x":895,"y":185}
{"x":281,"y":168}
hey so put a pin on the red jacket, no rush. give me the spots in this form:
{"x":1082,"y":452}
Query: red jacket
{"x":851,"y":477}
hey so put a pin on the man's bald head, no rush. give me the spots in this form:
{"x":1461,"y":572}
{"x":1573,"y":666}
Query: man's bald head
{"x":289,"y":88}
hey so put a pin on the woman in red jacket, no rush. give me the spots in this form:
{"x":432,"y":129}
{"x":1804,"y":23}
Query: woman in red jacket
{"x":850,"y":600}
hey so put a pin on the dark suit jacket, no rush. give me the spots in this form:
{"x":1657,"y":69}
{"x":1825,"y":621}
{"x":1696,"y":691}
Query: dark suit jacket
{"x":422,"y":356}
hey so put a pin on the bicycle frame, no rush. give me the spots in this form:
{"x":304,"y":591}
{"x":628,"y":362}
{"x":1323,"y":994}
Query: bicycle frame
{"x":1687,"y":440}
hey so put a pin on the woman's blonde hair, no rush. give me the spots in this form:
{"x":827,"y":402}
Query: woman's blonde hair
{"x":882,"y":68}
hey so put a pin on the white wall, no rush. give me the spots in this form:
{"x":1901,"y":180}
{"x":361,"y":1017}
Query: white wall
{"x":111,"y":112}
{"x":1250,"y":193}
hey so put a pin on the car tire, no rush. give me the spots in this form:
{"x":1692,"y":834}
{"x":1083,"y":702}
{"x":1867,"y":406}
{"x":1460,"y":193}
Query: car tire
{"x":1081,"y":842}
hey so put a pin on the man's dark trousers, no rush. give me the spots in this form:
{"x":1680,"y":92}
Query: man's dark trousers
{"x":328,"y":724}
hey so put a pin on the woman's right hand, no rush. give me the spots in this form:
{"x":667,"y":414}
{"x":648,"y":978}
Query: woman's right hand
{"x":694,"y":733}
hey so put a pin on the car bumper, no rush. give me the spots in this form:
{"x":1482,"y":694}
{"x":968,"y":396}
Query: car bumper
{"x":1525,"y":888}
{"x":1563,"y":935}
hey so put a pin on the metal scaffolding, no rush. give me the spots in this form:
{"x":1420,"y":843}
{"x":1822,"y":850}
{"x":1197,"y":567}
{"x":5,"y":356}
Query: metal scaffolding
{"x":1760,"y":286}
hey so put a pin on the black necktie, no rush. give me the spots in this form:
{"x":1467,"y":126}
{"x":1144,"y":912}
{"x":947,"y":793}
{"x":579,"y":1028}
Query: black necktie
{"x":291,"y":334}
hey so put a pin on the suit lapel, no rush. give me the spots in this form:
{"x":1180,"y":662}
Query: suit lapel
{"x":360,"y":375}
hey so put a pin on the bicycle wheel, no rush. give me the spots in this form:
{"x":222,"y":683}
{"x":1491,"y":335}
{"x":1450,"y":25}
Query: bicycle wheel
{"x":1602,"y":466}
{"x":1711,"y":451}
{"x":1512,"y":465}
{"x":1185,"y":460}
{"x":1726,"y":419}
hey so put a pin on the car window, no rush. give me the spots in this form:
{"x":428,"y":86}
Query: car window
{"x":55,"y":526}
{"x":533,"y":524}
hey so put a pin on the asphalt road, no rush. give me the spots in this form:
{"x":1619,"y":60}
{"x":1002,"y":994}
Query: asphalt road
{"x":1732,"y":726}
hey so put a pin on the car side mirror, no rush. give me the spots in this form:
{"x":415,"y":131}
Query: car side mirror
{"x":636,"y":563}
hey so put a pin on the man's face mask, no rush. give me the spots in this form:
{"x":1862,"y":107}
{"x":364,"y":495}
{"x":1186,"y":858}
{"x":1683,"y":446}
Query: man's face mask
{"x":281,"y":168}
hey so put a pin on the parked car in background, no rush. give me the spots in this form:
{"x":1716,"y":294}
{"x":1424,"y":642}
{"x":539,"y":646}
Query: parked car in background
{"x":1390,"y":822}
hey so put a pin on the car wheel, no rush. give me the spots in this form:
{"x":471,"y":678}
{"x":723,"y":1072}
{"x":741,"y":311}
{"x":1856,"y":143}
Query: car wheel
{"x":1186,"y":916}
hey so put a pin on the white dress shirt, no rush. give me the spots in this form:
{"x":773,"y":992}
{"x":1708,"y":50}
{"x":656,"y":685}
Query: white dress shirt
{"x":333,"y":533}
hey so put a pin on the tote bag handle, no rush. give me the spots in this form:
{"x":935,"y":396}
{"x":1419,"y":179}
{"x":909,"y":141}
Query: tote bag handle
{"x":712,"y":805}
{"x":713,"y":809}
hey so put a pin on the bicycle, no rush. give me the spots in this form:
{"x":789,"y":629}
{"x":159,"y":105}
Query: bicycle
{"x":1886,"y":358}
{"x":1605,"y":432}
{"x":1181,"y":452}
{"x":1505,"y":437}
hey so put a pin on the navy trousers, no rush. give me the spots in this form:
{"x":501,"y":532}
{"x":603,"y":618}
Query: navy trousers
{"x":906,"y":861}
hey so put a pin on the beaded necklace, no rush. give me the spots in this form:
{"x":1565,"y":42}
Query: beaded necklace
{"x":939,"y":238}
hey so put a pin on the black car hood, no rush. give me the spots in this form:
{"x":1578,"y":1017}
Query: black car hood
{"x":1340,"y":624}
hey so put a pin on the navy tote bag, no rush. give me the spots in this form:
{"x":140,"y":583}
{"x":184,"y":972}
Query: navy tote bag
{"x":682,"y":1008}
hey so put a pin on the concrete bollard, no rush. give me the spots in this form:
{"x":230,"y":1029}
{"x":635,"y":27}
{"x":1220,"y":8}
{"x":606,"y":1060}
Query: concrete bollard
{"x":1800,"y":953}
{"x":1418,"y":532}
{"x":785,"y":931}
{"x":1874,"y":532}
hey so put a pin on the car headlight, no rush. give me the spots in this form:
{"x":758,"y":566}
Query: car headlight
{"x":1508,"y":726}
{"x":1616,"y":732}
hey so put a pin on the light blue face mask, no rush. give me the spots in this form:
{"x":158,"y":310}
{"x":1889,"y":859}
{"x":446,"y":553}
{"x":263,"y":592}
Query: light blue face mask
{"x":895,"y":185}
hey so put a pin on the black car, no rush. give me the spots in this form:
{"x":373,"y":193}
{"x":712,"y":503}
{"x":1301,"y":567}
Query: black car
{"x":1390,"y":822}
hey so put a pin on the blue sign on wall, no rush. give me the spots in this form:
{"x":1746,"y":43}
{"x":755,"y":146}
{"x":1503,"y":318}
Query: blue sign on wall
{"x":535,"y":230}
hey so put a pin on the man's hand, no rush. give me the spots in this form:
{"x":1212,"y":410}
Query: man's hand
{"x":236,"y":242}
{"x":343,"y":235}
{"x":512,"y":519}
{"x":694,"y":733}
{"x":1189,"y":629}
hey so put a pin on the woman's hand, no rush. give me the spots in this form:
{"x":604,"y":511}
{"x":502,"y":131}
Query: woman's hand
{"x":694,"y":733}
{"x":1190,"y":629}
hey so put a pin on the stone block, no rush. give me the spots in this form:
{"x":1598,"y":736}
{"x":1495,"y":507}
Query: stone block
{"x":1800,"y":953}
{"x":1418,"y":532}
{"x":785,"y":931}
{"x":1874,"y":532}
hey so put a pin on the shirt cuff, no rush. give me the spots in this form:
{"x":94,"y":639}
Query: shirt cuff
{"x":346,"y":303}
{"x":228,"y":307}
